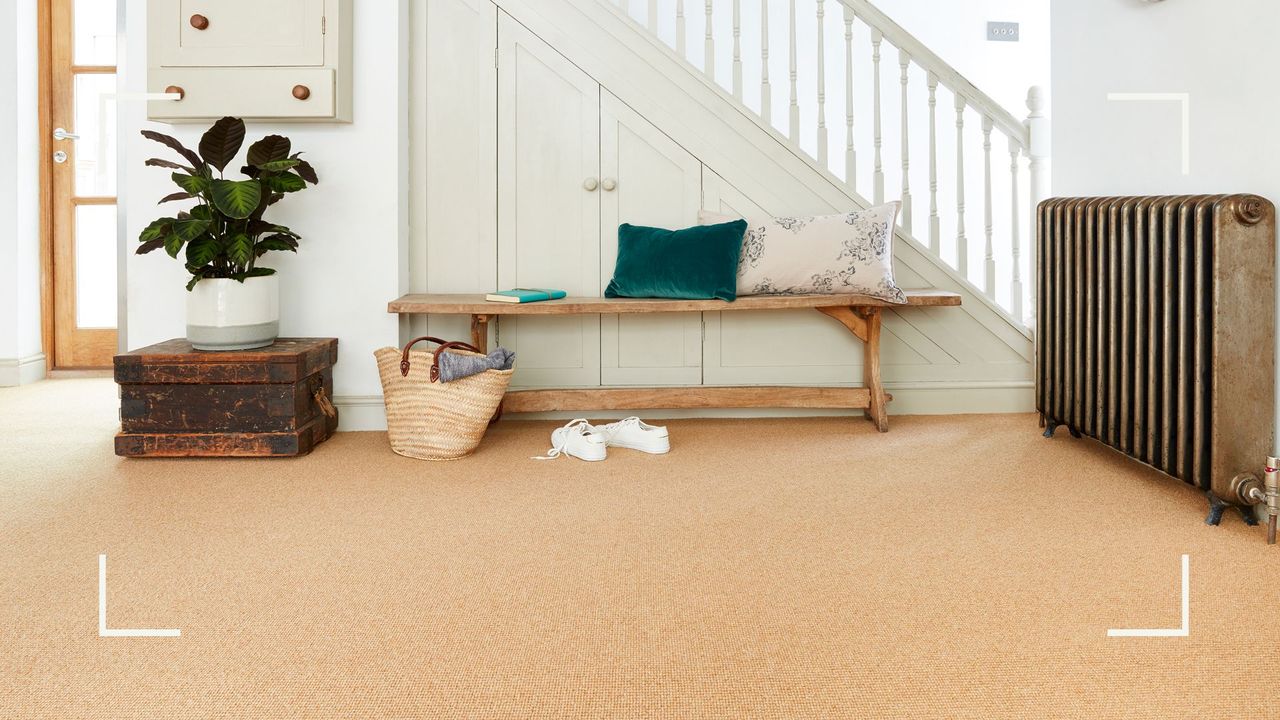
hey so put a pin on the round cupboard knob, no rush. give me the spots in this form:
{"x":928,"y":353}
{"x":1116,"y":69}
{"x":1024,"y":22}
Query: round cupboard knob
{"x":608,"y":184}
{"x":302,"y":92}
{"x":199,"y":22}
{"x":175,"y":90}
{"x":590,"y":184}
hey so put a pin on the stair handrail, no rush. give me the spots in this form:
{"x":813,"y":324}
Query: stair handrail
{"x":947,"y":75}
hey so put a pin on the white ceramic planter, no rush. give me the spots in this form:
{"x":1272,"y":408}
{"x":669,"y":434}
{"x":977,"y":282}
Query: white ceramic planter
{"x":224,"y":314}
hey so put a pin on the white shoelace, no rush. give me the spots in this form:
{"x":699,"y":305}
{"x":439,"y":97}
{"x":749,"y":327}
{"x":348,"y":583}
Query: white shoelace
{"x":614,"y":427}
{"x":558,"y":449}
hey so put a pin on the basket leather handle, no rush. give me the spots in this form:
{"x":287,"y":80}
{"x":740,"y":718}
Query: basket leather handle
{"x":435,"y":357}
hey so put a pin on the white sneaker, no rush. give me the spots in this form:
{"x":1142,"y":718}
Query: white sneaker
{"x":579,"y":439}
{"x":635,"y":434}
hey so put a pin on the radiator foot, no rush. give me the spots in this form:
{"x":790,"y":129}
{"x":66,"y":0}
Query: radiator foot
{"x":1217,"y":507}
{"x":1050,"y":426}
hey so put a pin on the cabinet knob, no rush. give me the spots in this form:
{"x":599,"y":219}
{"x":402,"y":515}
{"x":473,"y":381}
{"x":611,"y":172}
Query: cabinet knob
{"x":199,"y":22}
{"x":608,"y":184}
{"x":302,"y":92}
{"x":175,"y":90}
{"x":590,"y":184}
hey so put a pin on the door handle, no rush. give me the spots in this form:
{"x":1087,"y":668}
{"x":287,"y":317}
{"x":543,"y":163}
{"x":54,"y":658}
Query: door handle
{"x":608,"y":184}
{"x":60,"y":134}
{"x":590,"y":184}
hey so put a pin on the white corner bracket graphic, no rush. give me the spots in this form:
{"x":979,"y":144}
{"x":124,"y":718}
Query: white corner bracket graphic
{"x":1183,"y":631}
{"x":103,"y":630}
{"x":1184,"y":99}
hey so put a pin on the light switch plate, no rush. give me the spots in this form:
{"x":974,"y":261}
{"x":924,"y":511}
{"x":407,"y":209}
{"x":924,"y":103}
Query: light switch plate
{"x":1002,"y":31}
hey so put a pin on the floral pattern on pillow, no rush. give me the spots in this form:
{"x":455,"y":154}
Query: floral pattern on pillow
{"x":847,"y":253}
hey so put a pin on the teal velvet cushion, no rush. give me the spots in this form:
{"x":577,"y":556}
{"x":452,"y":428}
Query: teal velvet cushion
{"x":697,"y":263}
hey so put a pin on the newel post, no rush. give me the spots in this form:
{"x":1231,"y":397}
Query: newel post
{"x":1037,"y":124}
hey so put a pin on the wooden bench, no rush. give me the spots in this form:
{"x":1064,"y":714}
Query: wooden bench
{"x":859,"y":313}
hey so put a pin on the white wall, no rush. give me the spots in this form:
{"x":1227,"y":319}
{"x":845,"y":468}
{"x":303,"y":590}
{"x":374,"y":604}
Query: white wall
{"x":1223,"y":54}
{"x":354,"y":223}
{"x":21,"y":359}
{"x":957,"y":30}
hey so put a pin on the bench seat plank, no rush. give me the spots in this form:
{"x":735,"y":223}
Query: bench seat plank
{"x":475,"y":304}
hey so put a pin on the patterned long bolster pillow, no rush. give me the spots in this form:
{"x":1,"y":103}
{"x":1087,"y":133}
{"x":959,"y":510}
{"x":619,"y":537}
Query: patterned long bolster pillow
{"x":818,"y":254}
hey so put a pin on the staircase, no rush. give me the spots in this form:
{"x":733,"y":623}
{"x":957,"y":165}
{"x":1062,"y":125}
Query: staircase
{"x":833,"y":83}
{"x":529,"y":100}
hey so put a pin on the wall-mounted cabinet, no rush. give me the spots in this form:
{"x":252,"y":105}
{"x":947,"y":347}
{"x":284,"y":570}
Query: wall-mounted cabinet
{"x":276,"y":60}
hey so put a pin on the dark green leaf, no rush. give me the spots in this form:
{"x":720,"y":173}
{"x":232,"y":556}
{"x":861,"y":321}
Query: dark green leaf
{"x":188,"y":230}
{"x":192,"y":282}
{"x":275,"y":242}
{"x":237,"y":198}
{"x":150,"y":245}
{"x":173,"y":245}
{"x":157,"y":230}
{"x":253,"y":272}
{"x":271,"y":147}
{"x":307,"y":172}
{"x":250,"y":171}
{"x":159,"y":162}
{"x":201,"y":251}
{"x":201,"y":212}
{"x":173,"y":144}
{"x":176,"y":196}
{"x":286,"y":183}
{"x":194,"y":184}
{"x":284,"y":230}
{"x":274,"y":198}
{"x":279,"y":165}
{"x":240,"y":249}
{"x":222,"y":141}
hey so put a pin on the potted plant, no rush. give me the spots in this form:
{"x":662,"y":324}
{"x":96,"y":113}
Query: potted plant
{"x":233,"y":302}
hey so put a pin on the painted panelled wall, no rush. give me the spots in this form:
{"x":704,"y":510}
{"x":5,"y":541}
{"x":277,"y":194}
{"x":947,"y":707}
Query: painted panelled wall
{"x":505,"y":142}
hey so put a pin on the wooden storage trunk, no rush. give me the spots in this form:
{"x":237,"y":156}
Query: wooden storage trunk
{"x":269,"y":402}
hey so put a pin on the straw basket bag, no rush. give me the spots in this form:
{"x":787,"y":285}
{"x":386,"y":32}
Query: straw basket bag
{"x":432,"y":420}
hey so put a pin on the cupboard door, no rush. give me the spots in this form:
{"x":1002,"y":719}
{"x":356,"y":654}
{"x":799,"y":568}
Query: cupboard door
{"x":241,"y":33}
{"x":548,"y":205}
{"x":454,"y":194}
{"x":646,"y":179}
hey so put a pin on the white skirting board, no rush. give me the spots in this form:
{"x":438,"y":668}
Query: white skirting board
{"x":22,"y":371}
{"x":365,"y":412}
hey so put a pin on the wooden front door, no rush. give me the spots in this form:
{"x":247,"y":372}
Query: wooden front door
{"x":79,"y":119}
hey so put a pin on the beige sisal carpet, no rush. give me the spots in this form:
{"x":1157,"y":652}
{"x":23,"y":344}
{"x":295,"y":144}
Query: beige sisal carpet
{"x":957,"y":567}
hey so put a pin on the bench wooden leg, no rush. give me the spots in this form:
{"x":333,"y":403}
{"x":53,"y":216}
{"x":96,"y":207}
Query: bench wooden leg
{"x":878,"y":413}
{"x":480,"y":332}
{"x":864,"y":323}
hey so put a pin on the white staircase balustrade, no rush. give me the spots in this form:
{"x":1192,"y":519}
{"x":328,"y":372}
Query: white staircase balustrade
{"x":856,"y":33}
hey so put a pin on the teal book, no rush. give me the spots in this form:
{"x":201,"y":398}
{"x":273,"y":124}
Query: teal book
{"x":525,"y":295}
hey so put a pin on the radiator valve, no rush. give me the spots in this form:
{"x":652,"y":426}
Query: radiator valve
{"x":1272,"y":494}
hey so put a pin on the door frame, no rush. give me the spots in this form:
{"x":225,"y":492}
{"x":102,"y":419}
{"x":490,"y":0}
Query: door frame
{"x":46,"y":211}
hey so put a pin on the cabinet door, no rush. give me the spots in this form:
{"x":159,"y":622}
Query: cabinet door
{"x":657,"y":183}
{"x":548,"y":204}
{"x":240,"y":33}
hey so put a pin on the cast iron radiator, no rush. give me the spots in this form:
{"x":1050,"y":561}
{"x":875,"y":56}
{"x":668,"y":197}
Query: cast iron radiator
{"x":1155,"y":333}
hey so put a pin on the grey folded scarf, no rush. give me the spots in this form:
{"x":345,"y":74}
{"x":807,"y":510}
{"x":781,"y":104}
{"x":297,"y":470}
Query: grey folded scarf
{"x":454,"y":366}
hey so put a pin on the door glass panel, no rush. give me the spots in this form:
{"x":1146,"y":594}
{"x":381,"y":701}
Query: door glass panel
{"x":95,"y":32}
{"x":95,"y":123}
{"x":95,"y":266}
